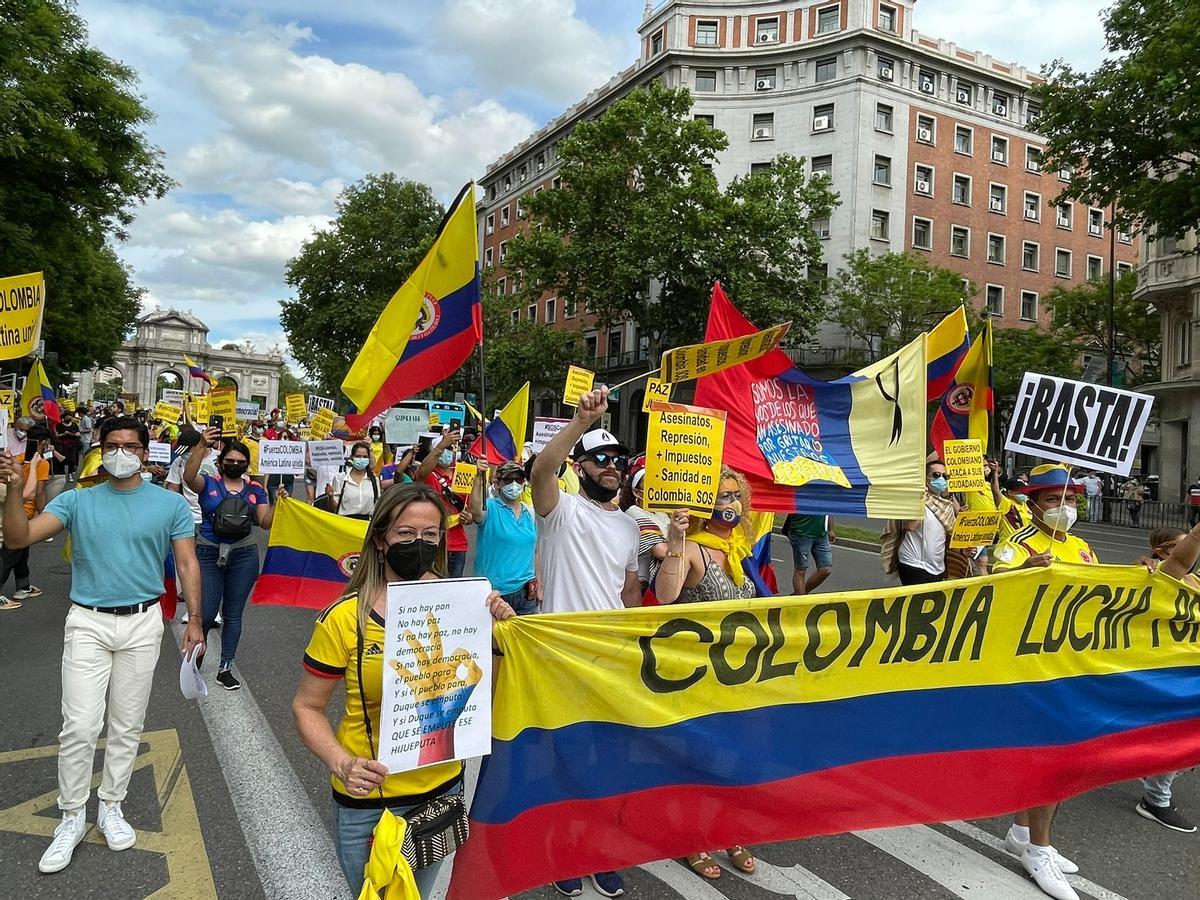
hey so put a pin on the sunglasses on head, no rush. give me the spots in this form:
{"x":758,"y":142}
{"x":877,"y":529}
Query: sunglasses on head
{"x":603,"y":460}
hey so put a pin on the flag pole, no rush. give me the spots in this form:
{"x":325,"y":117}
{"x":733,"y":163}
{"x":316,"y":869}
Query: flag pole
{"x":635,"y":378}
{"x":483,"y":406}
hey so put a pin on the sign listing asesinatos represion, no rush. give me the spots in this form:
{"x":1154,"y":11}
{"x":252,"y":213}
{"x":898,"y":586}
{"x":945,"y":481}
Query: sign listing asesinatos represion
{"x":684,"y":446}
{"x":1082,"y":424}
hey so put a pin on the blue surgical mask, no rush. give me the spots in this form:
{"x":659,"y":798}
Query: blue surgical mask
{"x":938,"y":485}
{"x":360,"y":462}
{"x":446,"y":458}
{"x":512,"y":490}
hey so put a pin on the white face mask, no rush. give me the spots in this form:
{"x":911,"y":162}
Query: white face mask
{"x":120,"y":464}
{"x":1061,"y":518}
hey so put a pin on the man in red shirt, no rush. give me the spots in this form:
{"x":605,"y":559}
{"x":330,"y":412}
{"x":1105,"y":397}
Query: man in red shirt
{"x":437,"y":470}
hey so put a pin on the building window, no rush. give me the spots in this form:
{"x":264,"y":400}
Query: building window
{"x":1033,"y":158}
{"x":883,"y":170}
{"x":927,"y":82}
{"x":822,"y":165}
{"x":819,"y":275}
{"x":541,"y":162}
{"x":523,"y":173}
{"x":1031,"y":254}
{"x":883,"y":117}
{"x":503,"y":250}
{"x":995,"y":249}
{"x":1095,"y":222}
{"x":1029,"y":305}
{"x":998,"y":199}
{"x":962,"y":190}
{"x":962,"y":139}
{"x":520,"y":209}
{"x":886,"y":69}
{"x":922,"y":234}
{"x":879,"y":224}
{"x":923,"y":180}
{"x":556,"y":183}
{"x":706,"y":79}
{"x":826,"y":69}
{"x":960,"y":241}
{"x":1033,"y":116}
{"x":1124,"y":236}
{"x":763,"y":126}
{"x":1064,"y":215}
{"x":1124,"y":268}
{"x":491,"y":195}
{"x":516,"y":282}
{"x":491,"y":223}
{"x":504,"y":217}
{"x":507,"y":183}
{"x":1168,"y":246}
{"x":823,"y":117}
{"x":1000,"y":105}
{"x":706,"y":34}
{"x":829,"y":19}
{"x":887,"y":18}
{"x":767,"y":31}
{"x":515,"y":316}
{"x":710,"y":121}
{"x":964,"y":94}
{"x":501,"y":286}
{"x":1095,"y":268}
{"x":1065,"y":175}
{"x":1000,"y":150}
{"x":1062,"y":263}
{"x":551,"y":311}
{"x":764,"y":79}
{"x":569,"y":309}
{"x":487,"y":256}
{"x":926,"y":130}
{"x":821,"y":227}
{"x":656,"y":44}
{"x":995,"y":299}
{"x":1183,"y":342}
{"x":1033,"y":206}
{"x":756,"y":168}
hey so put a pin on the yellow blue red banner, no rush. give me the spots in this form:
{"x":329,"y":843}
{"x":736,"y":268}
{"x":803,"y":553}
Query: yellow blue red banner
{"x":310,"y":556}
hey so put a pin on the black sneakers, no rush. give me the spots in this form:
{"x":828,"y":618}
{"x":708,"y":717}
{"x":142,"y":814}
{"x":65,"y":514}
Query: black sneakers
{"x":226,"y":680}
{"x":1167,"y":816}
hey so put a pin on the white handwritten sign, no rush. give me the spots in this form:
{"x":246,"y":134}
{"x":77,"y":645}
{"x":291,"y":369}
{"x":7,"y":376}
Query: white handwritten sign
{"x":326,"y":453}
{"x":281,"y":457}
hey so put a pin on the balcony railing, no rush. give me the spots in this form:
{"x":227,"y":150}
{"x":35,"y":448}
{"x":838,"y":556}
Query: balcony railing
{"x":1168,"y":271}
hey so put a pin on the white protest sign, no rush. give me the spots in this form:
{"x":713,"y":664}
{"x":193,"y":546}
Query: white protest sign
{"x":281,"y":457}
{"x":1086,"y":425}
{"x":159,"y":453}
{"x":437,"y":674}
{"x":544,"y":431}
{"x":326,"y":453}
{"x":248,"y":411}
{"x":172,"y":395}
{"x":404,"y":426}
{"x":315,"y":403}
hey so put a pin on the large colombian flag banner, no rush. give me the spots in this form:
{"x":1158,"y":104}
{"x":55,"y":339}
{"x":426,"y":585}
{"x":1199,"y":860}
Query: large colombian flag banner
{"x":671,"y":730}
{"x":310,"y":556}
{"x":431,"y":324}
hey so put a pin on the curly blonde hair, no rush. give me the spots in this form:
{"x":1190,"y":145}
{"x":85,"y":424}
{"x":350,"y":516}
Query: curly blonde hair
{"x":728,"y":474}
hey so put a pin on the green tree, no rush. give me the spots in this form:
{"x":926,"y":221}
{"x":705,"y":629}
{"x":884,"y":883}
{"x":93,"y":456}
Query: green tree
{"x":74,"y":162}
{"x":516,"y":352}
{"x":346,"y":273}
{"x":291,"y":383}
{"x":1016,"y":351}
{"x":640,"y":227}
{"x":1129,"y":132}
{"x":887,"y":300}
{"x":1081,"y":318}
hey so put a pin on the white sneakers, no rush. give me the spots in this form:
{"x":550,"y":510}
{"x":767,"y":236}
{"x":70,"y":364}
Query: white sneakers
{"x":1042,"y":864}
{"x":117,"y":832}
{"x":70,"y":831}
{"x":1016,"y":846}
{"x":67,"y":835}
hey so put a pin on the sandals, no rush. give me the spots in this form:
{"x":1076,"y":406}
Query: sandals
{"x":702,"y":864}
{"x":741,"y":859}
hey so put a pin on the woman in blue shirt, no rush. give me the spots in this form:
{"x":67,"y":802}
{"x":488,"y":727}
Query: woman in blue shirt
{"x":231,"y":504}
{"x":507,"y":536}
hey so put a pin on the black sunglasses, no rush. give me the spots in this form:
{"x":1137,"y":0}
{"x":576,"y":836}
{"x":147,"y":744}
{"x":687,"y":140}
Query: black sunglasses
{"x":603,"y":460}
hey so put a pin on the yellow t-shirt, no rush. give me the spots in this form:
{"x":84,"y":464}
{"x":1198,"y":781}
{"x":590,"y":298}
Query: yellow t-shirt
{"x":332,"y":653}
{"x":1031,"y":541}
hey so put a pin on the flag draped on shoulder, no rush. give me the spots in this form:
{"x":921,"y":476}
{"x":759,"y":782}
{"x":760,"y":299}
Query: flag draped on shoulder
{"x":196,"y":371}
{"x":945,"y":349}
{"x":37,"y":397}
{"x":506,"y":433}
{"x":967,"y":403}
{"x":310,"y":556}
{"x":429,"y":327}
{"x":854,"y":446}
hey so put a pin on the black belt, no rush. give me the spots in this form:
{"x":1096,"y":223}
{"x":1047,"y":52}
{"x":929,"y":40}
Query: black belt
{"x":129,"y":610}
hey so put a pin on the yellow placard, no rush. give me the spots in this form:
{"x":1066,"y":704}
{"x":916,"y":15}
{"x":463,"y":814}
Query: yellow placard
{"x":199,"y":408}
{"x":67,"y":404}
{"x":694,"y":360}
{"x":252,"y":446}
{"x":295,"y":407}
{"x":166,"y":412}
{"x":464,"y":479}
{"x":8,"y":399}
{"x":975,"y":529}
{"x":964,"y":465}
{"x":321,"y":424}
{"x":223,"y":403}
{"x":657,"y":391}
{"x":22,"y":303}
{"x":579,"y":382}
{"x":683,"y":456}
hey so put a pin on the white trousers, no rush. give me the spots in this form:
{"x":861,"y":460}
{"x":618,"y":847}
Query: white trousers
{"x":104,"y":655}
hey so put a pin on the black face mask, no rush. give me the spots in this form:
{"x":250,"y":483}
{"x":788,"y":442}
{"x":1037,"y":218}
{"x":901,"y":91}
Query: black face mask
{"x":234,"y":469}
{"x":594,"y":489}
{"x":411,"y":561}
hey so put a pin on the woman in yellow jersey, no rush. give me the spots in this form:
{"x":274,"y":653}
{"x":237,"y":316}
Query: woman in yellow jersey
{"x":406,"y":541}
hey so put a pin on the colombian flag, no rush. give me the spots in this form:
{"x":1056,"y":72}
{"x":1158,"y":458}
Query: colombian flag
{"x":944,"y":349}
{"x":195,"y":370}
{"x":310,"y":556}
{"x":506,"y":433}
{"x":37,"y":397}
{"x":431,"y":324}
{"x":967,"y":403}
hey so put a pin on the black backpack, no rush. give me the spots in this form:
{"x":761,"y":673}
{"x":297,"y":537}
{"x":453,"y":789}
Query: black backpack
{"x":233,"y":519}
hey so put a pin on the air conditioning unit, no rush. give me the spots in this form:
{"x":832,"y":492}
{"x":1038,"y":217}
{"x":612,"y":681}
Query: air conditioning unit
{"x":1064,"y":222}
{"x":1032,"y":120}
{"x":922,"y":187}
{"x":763,"y":84}
{"x":927,"y":86}
{"x":762,"y":132}
{"x":995,"y":204}
{"x":766,"y":38}
{"x":821,"y":123}
{"x":1000,"y":109}
{"x":1033,"y":165}
{"x":964,"y":95}
{"x":925,"y":134}
{"x":1031,"y":215}
{"x":1095,"y":229}
{"x":999,"y":156}
{"x":885,"y":71}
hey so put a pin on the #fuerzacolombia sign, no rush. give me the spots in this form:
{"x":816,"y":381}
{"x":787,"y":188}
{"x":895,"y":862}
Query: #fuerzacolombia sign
{"x":22,"y":303}
{"x":1081,"y":424}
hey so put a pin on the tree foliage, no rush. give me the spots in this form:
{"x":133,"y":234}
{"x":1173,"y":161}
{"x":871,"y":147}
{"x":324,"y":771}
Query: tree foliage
{"x":516,"y":352}
{"x":1016,"y":351}
{"x":1130,"y":130}
{"x":1081,"y":319}
{"x":887,"y":300}
{"x":74,"y":162}
{"x":640,"y":210}
{"x":346,"y":273}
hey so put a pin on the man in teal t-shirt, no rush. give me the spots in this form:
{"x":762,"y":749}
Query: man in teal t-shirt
{"x":121,"y":531}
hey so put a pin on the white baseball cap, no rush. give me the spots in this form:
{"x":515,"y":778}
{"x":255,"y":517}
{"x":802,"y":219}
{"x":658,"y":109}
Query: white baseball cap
{"x":598,"y":439}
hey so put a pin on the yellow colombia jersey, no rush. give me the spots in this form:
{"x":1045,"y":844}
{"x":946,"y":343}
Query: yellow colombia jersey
{"x":1031,"y":541}
{"x":332,"y":653}
{"x":1013,"y":516}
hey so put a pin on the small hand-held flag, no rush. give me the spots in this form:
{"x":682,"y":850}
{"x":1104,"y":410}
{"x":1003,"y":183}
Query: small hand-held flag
{"x":944,"y":351}
{"x":37,"y":397}
{"x":967,"y":403}
{"x":505,"y":434}
{"x":196,"y":371}
{"x":429,"y":327}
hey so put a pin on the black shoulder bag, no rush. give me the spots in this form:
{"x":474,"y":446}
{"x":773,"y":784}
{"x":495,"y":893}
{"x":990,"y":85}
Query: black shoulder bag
{"x":438,"y":826}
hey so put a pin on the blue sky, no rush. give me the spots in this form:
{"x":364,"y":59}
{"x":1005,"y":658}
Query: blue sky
{"x":267,"y":110}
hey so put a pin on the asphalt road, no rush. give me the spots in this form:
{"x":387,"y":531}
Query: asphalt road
{"x":229,"y":804}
